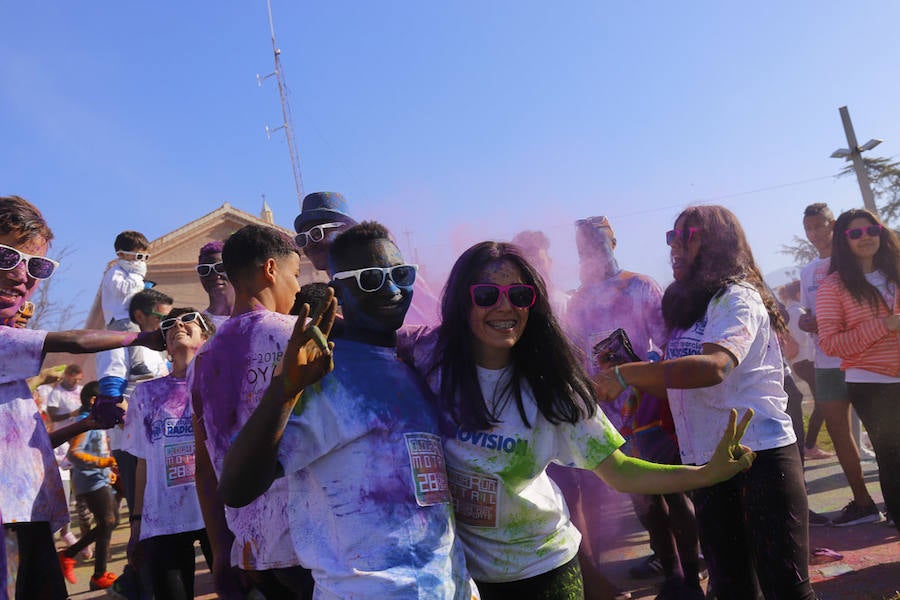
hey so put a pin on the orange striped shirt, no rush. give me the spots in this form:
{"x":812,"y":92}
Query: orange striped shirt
{"x":854,"y":331}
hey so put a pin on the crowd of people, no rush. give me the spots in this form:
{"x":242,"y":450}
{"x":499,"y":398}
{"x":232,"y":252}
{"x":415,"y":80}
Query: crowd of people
{"x":370,"y":438}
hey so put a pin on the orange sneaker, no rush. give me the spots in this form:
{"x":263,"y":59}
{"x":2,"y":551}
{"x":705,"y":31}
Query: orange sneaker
{"x":102,"y":582}
{"x":67,"y":565}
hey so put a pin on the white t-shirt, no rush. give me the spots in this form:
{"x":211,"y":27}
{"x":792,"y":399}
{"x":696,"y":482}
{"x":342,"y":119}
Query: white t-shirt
{"x":227,"y":379}
{"x":811,"y":277}
{"x":30,"y":487}
{"x":370,"y":508}
{"x":159,"y":430}
{"x":217,"y":320}
{"x":65,"y":401}
{"x":737,"y":321}
{"x":510,"y":516}
{"x":43,"y":394}
{"x":806,"y":346}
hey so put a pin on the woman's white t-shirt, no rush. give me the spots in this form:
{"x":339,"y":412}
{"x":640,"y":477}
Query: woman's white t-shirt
{"x":158,"y":429}
{"x":510,"y":516}
{"x":737,"y":321}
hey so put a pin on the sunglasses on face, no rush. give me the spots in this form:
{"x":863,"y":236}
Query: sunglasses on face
{"x":145,"y":256}
{"x":487,"y":295}
{"x":191,"y":317}
{"x":371,"y":279}
{"x":315,"y":233}
{"x":857,"y":232}
{"x":682,"y":235}
{"x":38,"y":267}
{"x":205,"y":269}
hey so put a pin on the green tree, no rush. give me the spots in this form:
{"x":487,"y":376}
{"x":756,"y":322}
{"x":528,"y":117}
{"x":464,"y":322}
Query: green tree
{"x":885,"y":177}
{"x":801,"y":250}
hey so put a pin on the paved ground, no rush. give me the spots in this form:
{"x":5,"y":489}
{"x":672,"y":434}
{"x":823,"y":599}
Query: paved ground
{"x":869,"y":570}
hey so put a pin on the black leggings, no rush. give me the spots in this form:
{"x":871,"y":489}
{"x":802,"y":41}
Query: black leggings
{"x":171,"y":561}
{"x":562,"y":583}
{"x":102,"y":506}
{"x":878,"y":407}
{"x":754,"y":530}
{"x":39,"y":575}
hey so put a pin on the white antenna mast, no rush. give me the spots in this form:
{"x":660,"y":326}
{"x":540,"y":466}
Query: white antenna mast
{"x":288,"y":124}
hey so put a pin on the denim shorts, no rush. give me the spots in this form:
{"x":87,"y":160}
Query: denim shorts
{"x":830,"y":385}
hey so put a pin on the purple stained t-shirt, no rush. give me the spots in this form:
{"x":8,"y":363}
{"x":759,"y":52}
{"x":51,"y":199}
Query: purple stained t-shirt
{"x":158,"y":429}
{"x":30,"y":486}
{"x":370,"y":504}
{"x":227,"y":379}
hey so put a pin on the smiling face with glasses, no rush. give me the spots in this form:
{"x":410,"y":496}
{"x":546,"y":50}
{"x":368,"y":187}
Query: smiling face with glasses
{"x":500,"y":304}
{"x":20,"y":261}
{"x":375,"y":287}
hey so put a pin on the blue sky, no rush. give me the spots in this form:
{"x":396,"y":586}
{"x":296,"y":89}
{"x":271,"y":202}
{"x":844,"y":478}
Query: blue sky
{"x":455,"y":122}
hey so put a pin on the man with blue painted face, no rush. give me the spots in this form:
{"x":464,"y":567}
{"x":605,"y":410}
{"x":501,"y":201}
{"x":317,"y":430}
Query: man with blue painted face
{"x":369,"y":506}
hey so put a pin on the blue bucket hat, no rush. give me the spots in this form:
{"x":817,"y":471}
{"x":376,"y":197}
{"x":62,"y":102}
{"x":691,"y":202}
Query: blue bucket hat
{"x":323,"y":207}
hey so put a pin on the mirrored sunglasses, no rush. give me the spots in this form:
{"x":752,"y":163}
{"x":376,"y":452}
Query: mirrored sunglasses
{"x":315,"y":234}
{"x":38,"y":267}
{"x":205,"y":269}
{"x":191,"y":317}
{"x":857,"y":232}
{"x":683,"y":235}
{"x":371,"y":279}
{"x":145,"y":256}
{"x":487,"y":295}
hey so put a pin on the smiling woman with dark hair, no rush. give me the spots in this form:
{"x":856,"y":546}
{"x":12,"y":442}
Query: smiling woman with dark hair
{"x":857,"y":308}
{"x":723,"y":354}
{"x":512,"y":399}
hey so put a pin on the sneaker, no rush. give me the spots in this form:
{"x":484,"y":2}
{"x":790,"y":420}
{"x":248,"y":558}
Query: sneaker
{"x":103,"y":581}
{"x":866,"y":454}
{"x":88,"y":552}
{"x":818,"y":520}
{"x":816,"y":453}
{"x":126,"y":586}
{"x":647,"y":569}
{"x":68,"y":567}
{"x":854,"y":514}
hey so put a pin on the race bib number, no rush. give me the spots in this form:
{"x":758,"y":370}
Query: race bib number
{"x":474,"y":497}
{"x":179,"y":464}
{"x":429,"y":473}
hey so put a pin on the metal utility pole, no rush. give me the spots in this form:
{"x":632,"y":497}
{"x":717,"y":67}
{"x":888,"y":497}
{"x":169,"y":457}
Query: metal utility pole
{"x":288,"y":124}
{"x":854,"y":153}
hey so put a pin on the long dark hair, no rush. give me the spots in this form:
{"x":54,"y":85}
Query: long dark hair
{"x":724,"y":258}
{"x":846,"y":265}
{"x":542,"y":356}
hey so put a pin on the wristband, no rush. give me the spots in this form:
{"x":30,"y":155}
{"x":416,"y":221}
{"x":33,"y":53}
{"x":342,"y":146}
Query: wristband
{"x":621,"y":379}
